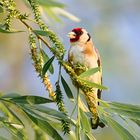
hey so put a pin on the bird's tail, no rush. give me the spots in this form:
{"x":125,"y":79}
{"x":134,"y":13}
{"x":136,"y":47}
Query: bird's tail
{"x":92,"y":101}
{"x":96,"y":123}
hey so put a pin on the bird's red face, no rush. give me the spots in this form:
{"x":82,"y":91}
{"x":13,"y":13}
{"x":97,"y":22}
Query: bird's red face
{"x":75,"y":34}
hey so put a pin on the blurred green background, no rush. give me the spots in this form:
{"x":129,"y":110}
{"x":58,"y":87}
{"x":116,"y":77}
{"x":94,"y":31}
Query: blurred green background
{"x":115,"y":29}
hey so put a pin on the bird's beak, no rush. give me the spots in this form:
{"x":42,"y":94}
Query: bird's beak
{"x":71,"y":35}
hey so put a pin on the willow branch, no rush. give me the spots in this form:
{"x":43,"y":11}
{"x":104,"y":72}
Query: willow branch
{"x":38,"y":36}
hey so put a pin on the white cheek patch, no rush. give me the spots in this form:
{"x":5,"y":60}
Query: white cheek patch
{"x":84,"y":37}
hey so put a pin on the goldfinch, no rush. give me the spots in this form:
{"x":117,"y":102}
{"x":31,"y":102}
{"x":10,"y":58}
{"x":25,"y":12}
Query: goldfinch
{"x":82,"y":52}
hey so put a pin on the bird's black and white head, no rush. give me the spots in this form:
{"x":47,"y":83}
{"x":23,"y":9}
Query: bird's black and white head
{"x":79,"y":35}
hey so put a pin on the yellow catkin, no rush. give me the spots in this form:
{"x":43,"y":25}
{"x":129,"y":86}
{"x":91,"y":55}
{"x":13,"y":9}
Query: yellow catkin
{"x":35,"y":60}
{"x":38,"y":64}
{"x":92,"y":104}
{"x":48,"y":87}
{"x":41,"y":59}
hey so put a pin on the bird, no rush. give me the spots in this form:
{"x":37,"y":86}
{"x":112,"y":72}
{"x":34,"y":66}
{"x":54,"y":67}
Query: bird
{"x":82,"y":52}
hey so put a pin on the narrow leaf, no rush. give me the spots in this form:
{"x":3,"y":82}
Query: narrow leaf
{"x":50,"y":12}
{"x":14,"y":131}
{"x":2,"y":138}
{"x":124,"y":133}
{"x":11,"y":95}
{"x":59,"y":11}
{"x":45,"y":59}
{"x":94,"y":85}
{"x":136,"y":121}
{"x":84,"y":121}
{"x":67,"y":89}
{"x":57,"y":125}
{"x":90,"y":136}
{"x":47,"y":65}
{"x":128,"y":113}
{"x":83,"y":106}
{"x":41,"y":33}
{"x":46,"y":115}
{"x":45,"y":56}
{"x":14,"y":114}
{"x":46,"y":127}
{"x":1,"y":94}
{"x":1,"y":9}
{"x":5,"y":31}
{"x":31,"y":100}
{"x":51,"y":3}
{"x":50,"y":111}
{"x":101,"y":111}
{"x":125,"y":106}
{"x":131,"y":111}
{"x":89,"y":72}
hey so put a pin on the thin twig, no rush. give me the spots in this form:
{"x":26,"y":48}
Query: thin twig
{"x":73,"y":110}
{"x":78,"y":115}
{"x":38,"y":36}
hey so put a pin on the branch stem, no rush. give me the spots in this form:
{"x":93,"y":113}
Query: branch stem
{"x":78,"y":115}
{"x":39,"y":37}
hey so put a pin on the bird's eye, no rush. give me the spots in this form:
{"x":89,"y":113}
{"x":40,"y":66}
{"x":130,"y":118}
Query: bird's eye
{"x":79,"y":33}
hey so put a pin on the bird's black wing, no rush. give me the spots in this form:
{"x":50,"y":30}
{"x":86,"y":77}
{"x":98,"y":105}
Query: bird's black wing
{"x":99,"y":65}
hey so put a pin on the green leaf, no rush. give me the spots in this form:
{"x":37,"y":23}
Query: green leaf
{"x":1,"y":94}
{"x":131,"y":111}
{"x":45,"y":59}
{"x":125,"y":106}
{"x":67,"y":89}
{"x":84,"y":121}
{"x":57,"y":125}
{"x":64,"y":13}
{"x":136,"y":121}
{"x":94,"y":85}
{"x":128,"y":113}
{"x":101,"y":111}
{"x":51,"y":112}
{"x":40,"y":32}
{"x":11,"y":95}
{"x":2,"y":138}
{"x":31,"y":100}
{"x":14,"y":131}
{"x":45,"y":56}
{"x":14,"y":114}
{"x":86,"y":137}
{"x":90,"y":136}
{"x":5,"y":31}
{"x":47,"y":65}
{"x":50,"y":3}
{"x":52,"y":14}
{"x":46,"y":127}
{"x":46,"y":116}
{"x":89,"y":72}
{"x":1,"y":9}
{"x":124,"y":133}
